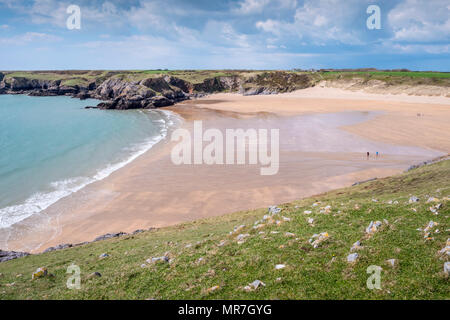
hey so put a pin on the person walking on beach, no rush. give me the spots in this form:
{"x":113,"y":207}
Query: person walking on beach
{"x":368,"y":154}
{"x":377,"y":155}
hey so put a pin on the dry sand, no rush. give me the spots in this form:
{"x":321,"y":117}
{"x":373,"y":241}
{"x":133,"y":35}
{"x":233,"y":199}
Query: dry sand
{"x":316,"y":155}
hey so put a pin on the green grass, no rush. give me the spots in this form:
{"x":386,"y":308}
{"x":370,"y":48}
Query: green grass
{"x":390,"y":77}
{"x":309,"y":273}
{"x":412,"y":74}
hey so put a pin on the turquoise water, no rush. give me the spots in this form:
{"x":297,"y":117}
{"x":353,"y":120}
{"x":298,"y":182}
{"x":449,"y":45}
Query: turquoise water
{"x":51,"y":147}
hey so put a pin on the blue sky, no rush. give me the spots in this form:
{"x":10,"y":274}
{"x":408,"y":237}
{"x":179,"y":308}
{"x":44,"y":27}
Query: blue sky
{"x":225,"y":34}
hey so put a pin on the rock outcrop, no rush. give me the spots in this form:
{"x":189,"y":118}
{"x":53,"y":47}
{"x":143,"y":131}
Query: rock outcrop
{"x":10,"y":255}
{"x":117,"y":92}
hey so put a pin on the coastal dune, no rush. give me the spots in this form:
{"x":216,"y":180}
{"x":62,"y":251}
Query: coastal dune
{"x":324,"y":135}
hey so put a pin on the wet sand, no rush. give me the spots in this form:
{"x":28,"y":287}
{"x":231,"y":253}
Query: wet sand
{"x":322,"y":147}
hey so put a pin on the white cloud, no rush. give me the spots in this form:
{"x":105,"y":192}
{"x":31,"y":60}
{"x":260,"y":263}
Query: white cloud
{"x":319,"y":22}
{"x":420,"y":21}
{"x":251,"y":6}
{"x":258,"y":6}
{"x":30,"y":37}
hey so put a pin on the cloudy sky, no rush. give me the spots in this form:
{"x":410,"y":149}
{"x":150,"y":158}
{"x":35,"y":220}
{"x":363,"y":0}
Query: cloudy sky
{"x":224,"y":34}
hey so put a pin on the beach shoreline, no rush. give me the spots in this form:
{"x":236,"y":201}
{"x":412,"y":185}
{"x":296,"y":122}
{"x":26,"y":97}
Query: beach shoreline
{"x":152,"y":192}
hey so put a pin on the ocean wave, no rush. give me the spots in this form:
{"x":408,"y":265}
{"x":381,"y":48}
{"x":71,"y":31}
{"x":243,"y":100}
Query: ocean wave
{"x":61,"y":189}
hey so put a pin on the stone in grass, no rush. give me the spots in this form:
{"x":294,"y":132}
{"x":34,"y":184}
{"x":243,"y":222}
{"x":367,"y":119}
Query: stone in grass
{"x":317,"y":239}
{"x":428,"y":228}
{"x":447,"y":267}
{"x":392,"y":262}
{"x":289,"y":234}
{"x":94,"y":275}
{"x":103,"y":255}
{"x":413,"y":199}
{"x":222,"y":243}
{"x":212,"y":289}
{"x":373,"y":227}
{"x":307,"y":212}
{"x":254,"y":285}
{"x":39,"y":273}
{"x":352,"y":257}
{"x":446,"y":249}
{"x":236,"y":229}
{"x":432,"y":199}
{"x":158,"y":259}
{"x":310,"y":220}
{"x":356,"y":246}
{"x":241,"y":237}
{"x":274,"y":210}
{"x":280,"y":266}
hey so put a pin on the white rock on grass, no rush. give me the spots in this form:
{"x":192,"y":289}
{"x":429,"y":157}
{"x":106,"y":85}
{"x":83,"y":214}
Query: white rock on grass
{"x":310,"y":220}
{"x":274,"y":210}
{"x":356,"y":246}
{"x":413,"y":199}
{"x":242,"y":236}
{"x":317,"y":239}
{"x":236,"y":229}
{"x":429,"y":226}
{"x":212,"y":289}
{"x":352,"y":257}
{"x":286,"y":219}
{"x":373,"y":227}
{"x":289,"y":234}
{"x":254,"y":285}
{"x":158,"y":259}
{"x":447,"y":267}
{"x":392,"y":262}
{"x":307,"y":212}
{"x":222,"y":243}
{"x":446,"y":249}
{"x":280,"y":266}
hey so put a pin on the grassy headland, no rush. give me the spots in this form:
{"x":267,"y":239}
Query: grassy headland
{"x":205,"y":255}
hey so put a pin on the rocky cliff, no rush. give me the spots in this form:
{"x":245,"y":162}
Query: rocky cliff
{"x":153,"y":92}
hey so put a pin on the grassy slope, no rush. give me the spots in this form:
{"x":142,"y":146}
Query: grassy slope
{"x":391,"y":77}
{"x":308,"y":273}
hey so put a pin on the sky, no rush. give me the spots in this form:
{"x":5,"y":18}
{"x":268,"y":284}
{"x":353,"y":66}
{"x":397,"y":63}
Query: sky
{"x":224,"y":34}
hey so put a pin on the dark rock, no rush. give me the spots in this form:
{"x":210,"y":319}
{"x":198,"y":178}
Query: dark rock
{"x":59,"y":247}
{"x":10,"y":255}
{"x":109,"y":236}
{"x":161,"y":102}
{"x":361,"y":182}
{"x":138,"y":231}
{"x":156,"y":84}
{"x":83,"y":95}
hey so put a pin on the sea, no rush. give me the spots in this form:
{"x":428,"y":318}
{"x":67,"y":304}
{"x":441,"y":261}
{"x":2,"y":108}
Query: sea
{"x":51,"y":147}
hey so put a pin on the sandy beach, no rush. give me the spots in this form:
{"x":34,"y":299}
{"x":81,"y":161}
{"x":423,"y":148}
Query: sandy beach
{"x":324,"y":135}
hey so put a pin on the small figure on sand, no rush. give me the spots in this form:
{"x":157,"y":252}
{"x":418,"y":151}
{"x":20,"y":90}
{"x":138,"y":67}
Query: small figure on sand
{"x":376,"y":154}
{"x":368,"y":154}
